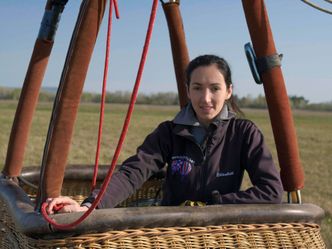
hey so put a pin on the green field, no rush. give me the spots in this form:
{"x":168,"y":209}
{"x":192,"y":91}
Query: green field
{"x":314,"y":130}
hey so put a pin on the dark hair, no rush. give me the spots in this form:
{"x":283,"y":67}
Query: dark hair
{"x":222,"y":65}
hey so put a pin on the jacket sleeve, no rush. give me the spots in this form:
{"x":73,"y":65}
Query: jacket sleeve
{"x":257,"y":161}
{"x":150,"y":158}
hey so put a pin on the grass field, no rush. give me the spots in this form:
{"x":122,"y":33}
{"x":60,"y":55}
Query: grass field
{"x":314,"y":130}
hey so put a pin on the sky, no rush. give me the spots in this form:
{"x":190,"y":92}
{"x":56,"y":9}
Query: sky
{"x":302,"y":34}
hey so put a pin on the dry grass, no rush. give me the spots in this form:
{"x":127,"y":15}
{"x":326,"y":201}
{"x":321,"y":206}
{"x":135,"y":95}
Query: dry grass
{"x":313,"y":130}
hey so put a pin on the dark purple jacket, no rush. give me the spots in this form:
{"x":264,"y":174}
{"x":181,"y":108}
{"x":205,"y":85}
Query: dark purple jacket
{"x":195,"y":170}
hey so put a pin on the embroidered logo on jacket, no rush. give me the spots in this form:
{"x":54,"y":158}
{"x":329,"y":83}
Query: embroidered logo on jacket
{"x":229,"y":173}
{"x":182,"y":165}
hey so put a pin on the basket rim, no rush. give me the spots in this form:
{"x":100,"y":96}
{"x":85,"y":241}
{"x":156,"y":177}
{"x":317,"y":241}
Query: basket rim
{"x":77,"y":172}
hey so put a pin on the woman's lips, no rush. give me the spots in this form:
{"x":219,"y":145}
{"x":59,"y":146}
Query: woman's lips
{"x":206,"y":108}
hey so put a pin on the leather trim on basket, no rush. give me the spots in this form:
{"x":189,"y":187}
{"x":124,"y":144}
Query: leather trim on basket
{"x":76,"y":172}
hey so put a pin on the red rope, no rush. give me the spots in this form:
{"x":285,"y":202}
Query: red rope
{"x":102,"y":101}
{"x":117,"y":14}
{"x":123,"y":133}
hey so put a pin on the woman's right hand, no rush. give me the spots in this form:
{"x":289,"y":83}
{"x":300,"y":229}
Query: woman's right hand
{"x":68,"y":205}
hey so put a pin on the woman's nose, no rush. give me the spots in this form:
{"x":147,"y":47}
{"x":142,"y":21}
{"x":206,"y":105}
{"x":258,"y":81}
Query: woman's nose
{"x":206,"y":96}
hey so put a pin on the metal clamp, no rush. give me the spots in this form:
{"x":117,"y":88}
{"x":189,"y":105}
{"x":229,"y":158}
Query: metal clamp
{"x":9,"y":178}
{"x":262,"y":64}
{"x":170,"y":1}
{"x":294,"y":197}
{"x":268,"y":62}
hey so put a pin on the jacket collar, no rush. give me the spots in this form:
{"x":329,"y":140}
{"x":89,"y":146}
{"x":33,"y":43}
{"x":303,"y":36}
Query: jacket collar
{"x":185,"y":121}
{"x":188,"y":117}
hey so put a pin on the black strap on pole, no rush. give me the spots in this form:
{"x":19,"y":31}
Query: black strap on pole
{"x":51,"y":19}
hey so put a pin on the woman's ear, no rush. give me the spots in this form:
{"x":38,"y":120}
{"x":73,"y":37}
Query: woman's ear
{"x":229,"y":91}
{"x":188,"y":93}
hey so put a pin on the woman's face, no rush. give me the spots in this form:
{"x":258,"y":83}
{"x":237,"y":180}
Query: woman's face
{"x":208,"y":92}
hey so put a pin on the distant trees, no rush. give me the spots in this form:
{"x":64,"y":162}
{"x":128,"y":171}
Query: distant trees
{"x":9,"y":93}
{"x":298,"y":102}
{"x":251,"y":102}
{"x":166,"y":98}
{"x":14,"y":94}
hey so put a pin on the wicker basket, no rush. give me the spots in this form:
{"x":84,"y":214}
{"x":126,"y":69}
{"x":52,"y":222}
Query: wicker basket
{"x":217,"y":226}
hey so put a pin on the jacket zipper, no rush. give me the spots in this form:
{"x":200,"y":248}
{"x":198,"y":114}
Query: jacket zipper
{"x":204,"y":166}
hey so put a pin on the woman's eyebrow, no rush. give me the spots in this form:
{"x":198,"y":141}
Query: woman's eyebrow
{"x":211,"y":84}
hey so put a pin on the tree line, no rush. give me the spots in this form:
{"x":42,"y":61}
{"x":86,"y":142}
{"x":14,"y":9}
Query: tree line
{"x":167,"y":98}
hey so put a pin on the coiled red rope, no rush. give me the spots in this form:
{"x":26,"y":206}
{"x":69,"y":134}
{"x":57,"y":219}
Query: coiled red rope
{"x":123,"y":133}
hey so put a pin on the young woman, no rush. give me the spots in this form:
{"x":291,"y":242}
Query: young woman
{"x":206,"y":147}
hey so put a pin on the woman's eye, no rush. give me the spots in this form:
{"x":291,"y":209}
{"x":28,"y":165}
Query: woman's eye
{"x":215,"y":89}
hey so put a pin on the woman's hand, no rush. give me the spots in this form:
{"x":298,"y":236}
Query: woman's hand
{"x":66,"y":204}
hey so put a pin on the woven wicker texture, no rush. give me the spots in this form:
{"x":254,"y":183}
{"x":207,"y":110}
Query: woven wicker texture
{"x":227,"y":236}
{"x":149,"y":194}
{"x":231,"y":236}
